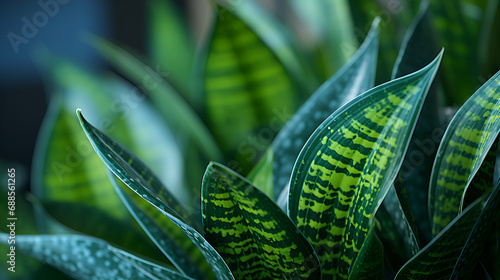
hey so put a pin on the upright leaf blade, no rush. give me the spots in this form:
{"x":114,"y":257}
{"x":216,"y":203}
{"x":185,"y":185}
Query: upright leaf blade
{"x":131,"y":171}
{"x":256,"y":238}
{"x":357,"y":76}
{"x":348,"y":165}
{"x":463,"y":148}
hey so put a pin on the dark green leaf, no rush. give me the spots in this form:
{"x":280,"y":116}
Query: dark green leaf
{"x":168,"y":246}
{"x":436,"y":260}
{"x":84,"y":258}
{"x":463,"y":149}
{"x":348,"y":165}
{"x":369,"y":263}
{"x":142,"y":181}
{"x":256,"y":238}
{"x":245,"y":85}
{"x":354,"y":78}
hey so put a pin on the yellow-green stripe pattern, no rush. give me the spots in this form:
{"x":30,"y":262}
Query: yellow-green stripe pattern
{"x":256,"y":239}
{"x":350,"y":162}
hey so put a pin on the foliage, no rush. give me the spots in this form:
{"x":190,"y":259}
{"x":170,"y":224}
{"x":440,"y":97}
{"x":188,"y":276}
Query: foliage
{"x":344,"y":179}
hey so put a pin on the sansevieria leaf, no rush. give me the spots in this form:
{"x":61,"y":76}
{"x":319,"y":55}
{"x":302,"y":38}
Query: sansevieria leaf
{"x":253,"y":235}
{"x":84,"y":257}
{"x":357,"y":76}
{"x":131,"y":171}
{"x":464,"y":146}
{"x":245,"y":85}
{"x":348,"y":165}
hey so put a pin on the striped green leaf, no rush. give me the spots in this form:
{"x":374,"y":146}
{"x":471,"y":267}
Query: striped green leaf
{"x":369,"y":263}
{"x":331,"y":26}
{"x":131,"y":171}
{"x":245,"y":85}
{"x":348,"y":165}
{"x":459,"y":71}
{"x":84,"y":257}
{"x":455,"y":251}
{"x":357,"y":76}
{"x":436,"y":260}
{"x":170,"y":104}
{"x":464,"y":146}
{"x":167,"y":245}
{"x":278,"y":38}
{"x":256,"y":238}
{"x":170,"y":44}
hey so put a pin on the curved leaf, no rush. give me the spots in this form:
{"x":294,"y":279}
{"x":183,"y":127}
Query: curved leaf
{"x":463,"y":149}
{"x":245,"y":85}
{"x":131,"y":171}
{"x":84,"y":257}
{"x":369,"y":263}
{"x":262,"y":174}
{"x":168,"y":246}
{"x":357,"y":76}
{"x":173,"y":108}
{"x":348,"y":165}
{"x":436,"y":260}
{"x":256,"y":238}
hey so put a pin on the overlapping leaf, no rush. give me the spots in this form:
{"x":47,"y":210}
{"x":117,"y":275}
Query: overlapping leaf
{"x":131,"y":171}
{"x":84,"y":257}
{"x":455,"y":251}
{"x":464,"y":146}
{"x":348,"y":165}
{"x":256,"y":238}
{"x":245,"y":85}
{"x":354,"y":78}
{"x":369,"y":263}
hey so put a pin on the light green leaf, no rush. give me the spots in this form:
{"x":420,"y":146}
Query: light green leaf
{"x":464,"y":146}
{"x":171,"y":45}
{"x":262,"y":174}
{"x":331,"y":25}
{"x":84,"y":257}
{"x":245,"y":85}
{"x":348,"y":165}
{"x":357,"y":76}
{"x":256,"y":238}
{"x":131,"y":171}
{"x":170,"y":104}
{"x":369,"y":263}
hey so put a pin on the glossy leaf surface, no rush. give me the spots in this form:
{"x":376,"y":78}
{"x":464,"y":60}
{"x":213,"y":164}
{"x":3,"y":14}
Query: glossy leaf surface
{"x":256,"y":238}
{"x":348,"y":165}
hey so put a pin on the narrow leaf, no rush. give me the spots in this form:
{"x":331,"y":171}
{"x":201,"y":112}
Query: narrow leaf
{"x":436,"y":260}
{"x":463,"y":149}
{"x":256,"y":238}
{"x":369,"y":263}
{"x":84,"y":258}
{"x":131,"y":171}
{"x":348,"y":165}
{"x":262,"y":174}
{"x":357,"y":76}
{"x":245,"y":84}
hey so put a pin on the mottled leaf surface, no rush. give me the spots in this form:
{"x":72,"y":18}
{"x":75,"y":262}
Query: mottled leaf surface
{"x":131,"y":171}
{"x":245,"y":84}
{"x":84,"y":257}
{"x":254,"y":236}
{"x":357,"y":76}
{"x":464,"y":146}
{"x":348,"y":165}
{"x":369,"y":263}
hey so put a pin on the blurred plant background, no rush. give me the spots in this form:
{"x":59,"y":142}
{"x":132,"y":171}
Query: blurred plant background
{"x":44,"y":41}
